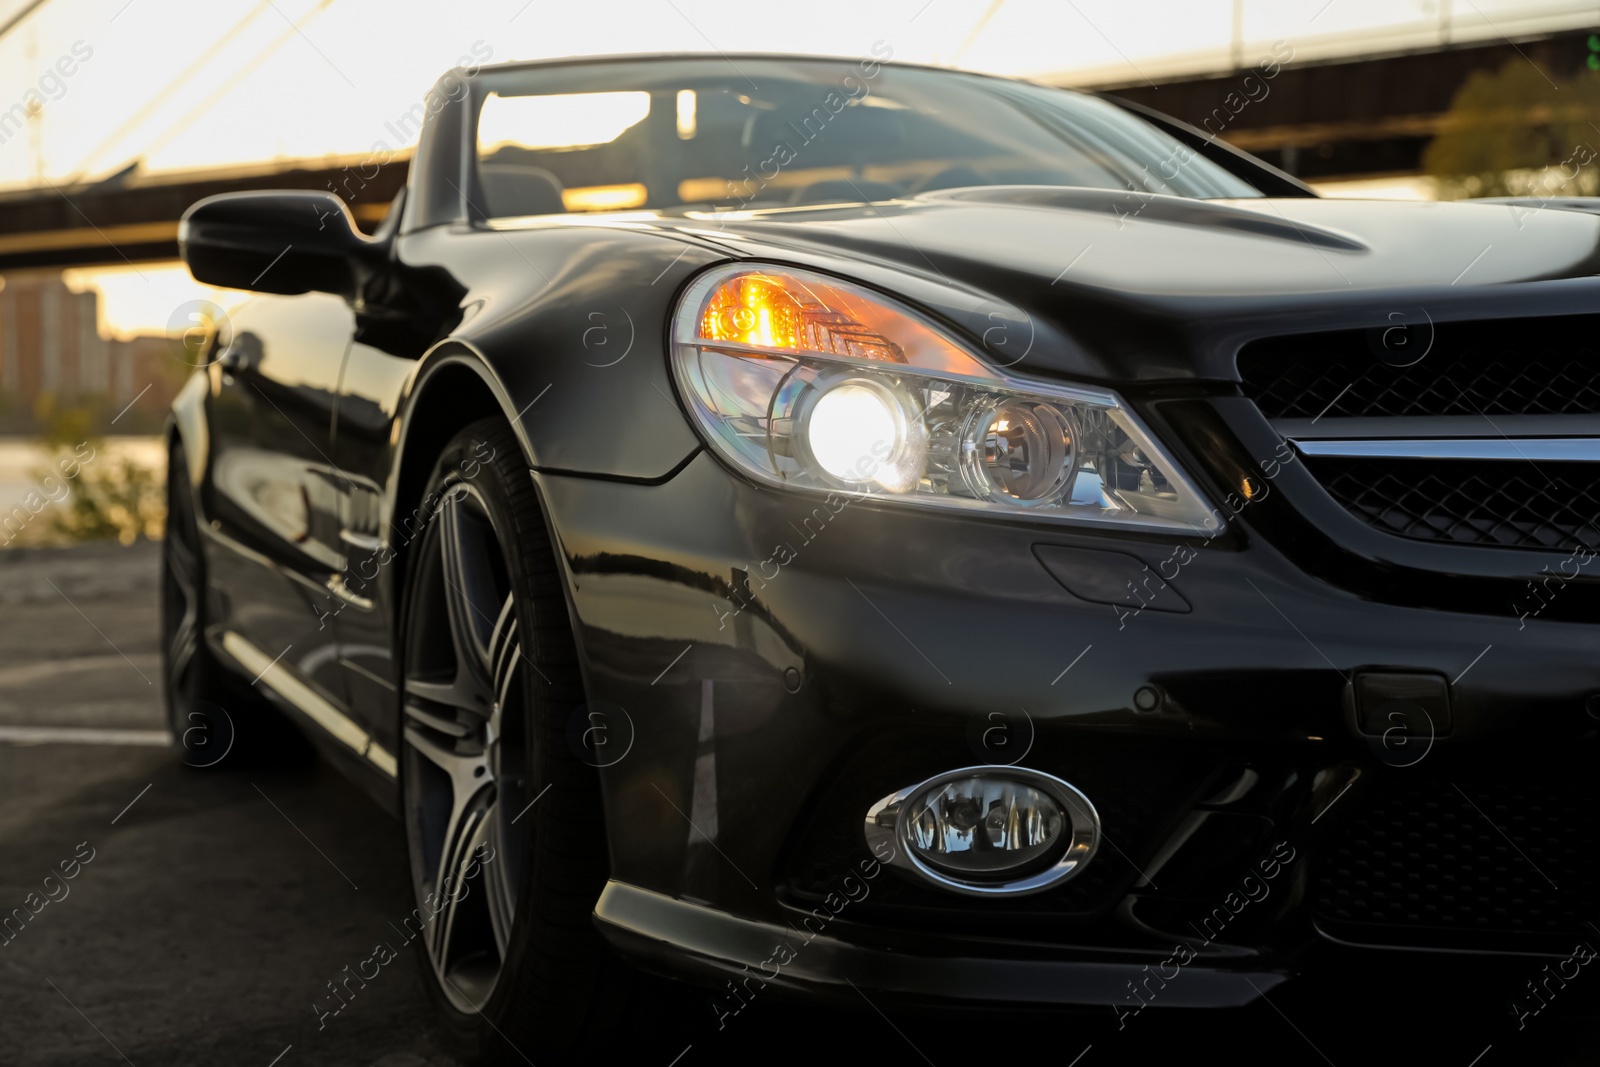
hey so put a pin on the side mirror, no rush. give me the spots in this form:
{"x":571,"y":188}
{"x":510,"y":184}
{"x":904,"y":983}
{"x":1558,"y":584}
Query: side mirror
{"x":279,"y":242}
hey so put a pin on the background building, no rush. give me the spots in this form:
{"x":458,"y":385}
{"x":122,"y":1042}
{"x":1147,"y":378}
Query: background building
{"x":53,"y":358}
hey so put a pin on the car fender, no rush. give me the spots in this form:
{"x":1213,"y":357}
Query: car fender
{"x":189,"y":426}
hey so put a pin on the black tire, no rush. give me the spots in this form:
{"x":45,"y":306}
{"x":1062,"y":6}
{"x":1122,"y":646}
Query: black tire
{"x":215,"y":718}
{"x":514,"y":964}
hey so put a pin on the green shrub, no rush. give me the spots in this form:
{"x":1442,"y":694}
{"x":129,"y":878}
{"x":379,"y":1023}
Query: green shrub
{"x":111,"y":498}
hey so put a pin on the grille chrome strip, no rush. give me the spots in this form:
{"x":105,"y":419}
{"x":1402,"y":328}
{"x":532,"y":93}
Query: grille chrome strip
{"x":1429,"y":426}
{"x":1548,"y":449}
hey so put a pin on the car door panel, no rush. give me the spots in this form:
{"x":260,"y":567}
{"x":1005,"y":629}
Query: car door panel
{"x":275,"y":491}
{"x":373,"y":383}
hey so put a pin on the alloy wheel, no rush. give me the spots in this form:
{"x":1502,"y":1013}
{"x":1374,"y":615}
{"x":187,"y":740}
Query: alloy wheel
{"x":466,"y":748}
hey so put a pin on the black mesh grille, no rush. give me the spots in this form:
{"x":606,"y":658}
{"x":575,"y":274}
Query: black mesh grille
{"x":1509,"y":503}
{"x":1467,"y":858}
{"x":1532,"y":367}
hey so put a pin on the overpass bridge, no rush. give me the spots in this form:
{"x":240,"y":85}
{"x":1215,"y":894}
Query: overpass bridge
{"x":1348,"y":116}
{"x":134,"y":219}
{"x":1324,"y":118}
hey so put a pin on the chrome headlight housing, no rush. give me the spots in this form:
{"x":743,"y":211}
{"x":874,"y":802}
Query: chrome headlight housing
{"x":808,"y":382}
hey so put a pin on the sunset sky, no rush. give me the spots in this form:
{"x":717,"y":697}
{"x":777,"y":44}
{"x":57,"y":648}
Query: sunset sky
{"x":178,"y":84}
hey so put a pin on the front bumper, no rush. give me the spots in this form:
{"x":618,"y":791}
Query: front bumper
{"x":776,"y":665}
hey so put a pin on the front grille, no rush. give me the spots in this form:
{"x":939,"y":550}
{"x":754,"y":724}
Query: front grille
{"x":1503,"y":503}
{"x":1510,"y":864}
{"x":1527,"y":367}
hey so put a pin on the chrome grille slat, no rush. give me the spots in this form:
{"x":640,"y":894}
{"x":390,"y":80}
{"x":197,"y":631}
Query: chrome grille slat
{"x":1530,"y":450}
{"x":1491,"y":437}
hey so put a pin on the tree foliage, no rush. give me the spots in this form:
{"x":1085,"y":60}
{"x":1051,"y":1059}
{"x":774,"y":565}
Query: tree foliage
{"x":1519,"y":131}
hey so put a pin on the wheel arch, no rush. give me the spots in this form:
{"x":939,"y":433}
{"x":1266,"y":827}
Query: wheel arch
{"x":454,"y":388}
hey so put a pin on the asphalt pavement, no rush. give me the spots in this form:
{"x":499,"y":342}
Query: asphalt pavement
{"x":207,"y":909}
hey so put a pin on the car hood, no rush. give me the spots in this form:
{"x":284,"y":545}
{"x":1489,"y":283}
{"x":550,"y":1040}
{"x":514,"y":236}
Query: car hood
{"x":1112,"y":285}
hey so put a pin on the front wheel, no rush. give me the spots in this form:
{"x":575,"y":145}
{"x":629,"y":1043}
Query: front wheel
{"x":503,"y":824}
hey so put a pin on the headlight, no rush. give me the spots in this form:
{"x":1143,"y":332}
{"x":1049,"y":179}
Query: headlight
{"x":811,"y":383}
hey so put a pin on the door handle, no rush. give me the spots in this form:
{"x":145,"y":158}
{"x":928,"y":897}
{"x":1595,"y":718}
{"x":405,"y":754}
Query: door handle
{"x":336,"y":586}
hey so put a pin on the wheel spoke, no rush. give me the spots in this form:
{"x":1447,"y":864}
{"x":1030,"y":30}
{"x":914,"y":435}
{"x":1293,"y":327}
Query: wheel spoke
{"x":505,"y":627}
{"x":463,"y":835}
{"x":471,"y":798}
{"x":425,"y":713}
{"x":498,"y":882}
{"x":506,"y":656}
{"x":464,"y":547}
{"x":458,"y":692}
{"x":462,"y":767}
{"x":467,"y":582}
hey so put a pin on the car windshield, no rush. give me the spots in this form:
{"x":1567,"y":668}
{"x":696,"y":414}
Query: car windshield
{"x":761,"y":133}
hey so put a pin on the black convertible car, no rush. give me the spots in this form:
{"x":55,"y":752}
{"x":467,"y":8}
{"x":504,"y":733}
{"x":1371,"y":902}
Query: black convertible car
{"x":851,"y":528}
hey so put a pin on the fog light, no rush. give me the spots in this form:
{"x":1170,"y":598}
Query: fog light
{"x":986,"y":830}
{"x":984,"y":825}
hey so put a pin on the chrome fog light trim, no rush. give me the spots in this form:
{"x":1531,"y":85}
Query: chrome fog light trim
{"x":956,"y":830}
